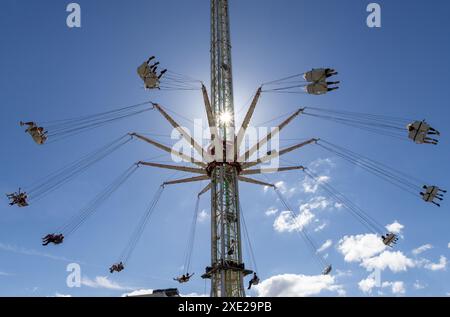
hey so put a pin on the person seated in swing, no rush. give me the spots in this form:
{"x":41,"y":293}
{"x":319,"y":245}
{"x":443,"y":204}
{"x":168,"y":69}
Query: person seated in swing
{"x":319,"y":74}
{"x":148,"y":73}
{"x":389,"y":239}
{"x":18,"y":198}
{"x":37,"y":133}
{"x":431,"y":193}
{"x":419,"y":132}
{"x":53,"y":238}
{"x":321,"y":87}
{"x":253,"y":281}
{"x":117,"y":267}
{"x":327,"y":270}
{"x":183,"y":278}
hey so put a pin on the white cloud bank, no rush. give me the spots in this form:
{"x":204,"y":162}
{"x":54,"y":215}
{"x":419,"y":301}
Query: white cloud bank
{"x":325,"y":245}
{"x":440,"y":266}
{"x":359,"y":247}
{"x":422,"y":249}
{"x":297,"y":285}
{"x":103,"y":282}
{"x":395,"y":227}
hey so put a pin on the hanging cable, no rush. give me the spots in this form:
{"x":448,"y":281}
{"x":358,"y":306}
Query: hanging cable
{"x":176,"y":81}
{"x":60,"y":129}
{"x":403,"y":181}
{"x":191,"y":239}
{"x":380,"y":124}
{"x":63,"y":175}
{"x":77,"y":220}
{"x":249,"y":242}
{"x":127,"y":252}
{"x":366,"y":220}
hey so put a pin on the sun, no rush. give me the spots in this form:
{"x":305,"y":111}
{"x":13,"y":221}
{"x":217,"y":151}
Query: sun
{"x":226,"y":117}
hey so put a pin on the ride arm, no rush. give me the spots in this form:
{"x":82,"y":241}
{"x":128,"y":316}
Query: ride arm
{"x":174,"y":167}
{"x":184,"y":157}
{"x":275,"y":154}
{"x":269,"y":136}
{"x":203,"y":154}
{"x":271,"y":170}
{"x":187,"y":180}
{"x":254,"y":181}
{"x":247,"y":118}
{"x":209,"y":114}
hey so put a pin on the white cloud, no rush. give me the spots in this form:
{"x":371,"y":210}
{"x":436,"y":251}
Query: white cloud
{"x":283,"y":188}
{"x":103,"y":282}
{"x":440,"y":266}
{"x":271,"y":211}
{"x":293,"y":285}
{"x":311,"y":186}
{"x":5,"y":274}
{"x":316,"y":203}
{"x":194,"y":295}
{"x":320,"y":162}
{"x":422,"y":249}
{"x":338,"y":205}
{"x":139,"y":292}
{"x":395,"y":261}
{"x":320,"y":227}
{"x":359,"y":247}
{"x":30,"y":252}
{"x":62,"y":295}
{"x":202,"y":216}
{"x":367,"y":284}
{"x":285,"y":222}
{"x":395,"y":227}
{"x":325,"y":246}
{"x":418,"y":285}
{"x":397,"y":287}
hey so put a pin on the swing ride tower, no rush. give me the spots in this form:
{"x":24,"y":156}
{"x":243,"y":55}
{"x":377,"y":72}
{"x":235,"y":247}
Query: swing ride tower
{"x":226,"y":280}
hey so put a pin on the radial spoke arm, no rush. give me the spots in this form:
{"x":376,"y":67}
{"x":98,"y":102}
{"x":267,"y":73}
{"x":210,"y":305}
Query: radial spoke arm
{"x":274,"y":154}
{"x":269,"y":136}
{"x":174,"y":167}
{"x":209,"y":114}
{"x":187,"y":180}
{"x":205,"y":190}
{"x":254,"y":181}
{"x":184,"y":157}
{"x":247,"y":118}
{"x":271,"y":170}
{"x":203,"y":154}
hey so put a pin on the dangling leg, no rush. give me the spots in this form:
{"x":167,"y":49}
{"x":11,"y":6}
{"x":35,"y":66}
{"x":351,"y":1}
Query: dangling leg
{"x":162,"y":73}
{"x":442,"y":190}
{"x":333,"y":88}
{"x":150,"y":58}
{"x":436,"y":203}
{"x":333,"y":82}
{"x":434,"y":131}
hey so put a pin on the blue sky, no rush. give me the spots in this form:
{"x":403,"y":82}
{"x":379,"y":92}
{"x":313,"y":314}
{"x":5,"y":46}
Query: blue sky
{"x":50,"y":72}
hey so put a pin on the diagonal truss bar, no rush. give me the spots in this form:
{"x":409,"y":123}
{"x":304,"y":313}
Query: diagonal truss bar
{"x":203,"y":154}
{"x":183,"y":156}
{"x":205,"y":190}
{"x":248,"y":117}
{"x":254,"y":181}
{"x":187,"y":180}
{"x":271,"y":170}
{"x":209,"y":114}
{"x":274,"y":154}
{"x":175,"y":167}
{"x":269,"y":136}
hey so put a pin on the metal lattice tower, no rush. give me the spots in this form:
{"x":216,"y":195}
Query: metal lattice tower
{"x":225,"y":220}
